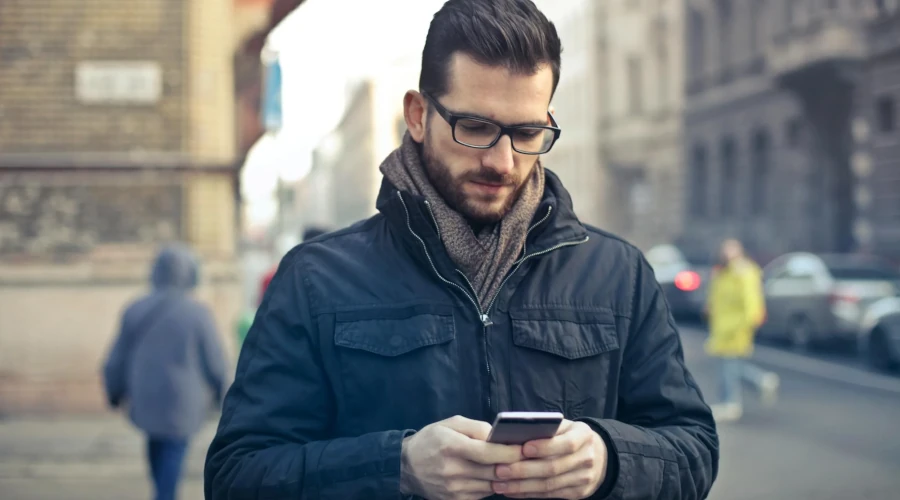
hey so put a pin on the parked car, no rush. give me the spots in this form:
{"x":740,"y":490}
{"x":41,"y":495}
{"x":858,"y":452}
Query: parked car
{"x":880,"y":338}
{"x":822,"y":298}
{"x":684,"y":279}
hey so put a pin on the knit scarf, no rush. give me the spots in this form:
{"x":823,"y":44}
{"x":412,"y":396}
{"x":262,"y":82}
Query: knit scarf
{"x":485,"y":258}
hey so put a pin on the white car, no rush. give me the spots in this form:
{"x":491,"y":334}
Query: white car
{"x":814,"y":298}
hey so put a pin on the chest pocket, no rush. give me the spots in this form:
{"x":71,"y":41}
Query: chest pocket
{"x":563,"y":360}
{"x":396,"y":365}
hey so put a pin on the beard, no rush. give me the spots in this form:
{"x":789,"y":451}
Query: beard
{"x":480,"y":212}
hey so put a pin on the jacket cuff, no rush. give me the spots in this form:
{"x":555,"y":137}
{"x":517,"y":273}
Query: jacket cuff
{"x":612,"y":459}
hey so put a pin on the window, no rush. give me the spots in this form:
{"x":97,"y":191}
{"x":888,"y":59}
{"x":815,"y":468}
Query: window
{"x":635,"y":86}
{"x":726,"y":32}
{"x":760,"y":174}
{"x":757,"y":24}
{"x":860,"y":272}
{"x":663,"y":80}
{"x":699,"y":181}
{"x":794,"y":132}
{"x":697,"y":44}
{"x":791,"y":13}
{"x":885,"y":112}
{"x":728,"y":188}
{"x":662,"y":64}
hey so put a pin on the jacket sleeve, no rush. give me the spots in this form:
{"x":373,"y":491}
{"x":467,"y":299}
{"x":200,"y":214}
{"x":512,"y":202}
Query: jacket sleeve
{"x":663,"y":443}
{"x":115,"y":368}
{"x":212,"y":358}
{"x":274,"y":438}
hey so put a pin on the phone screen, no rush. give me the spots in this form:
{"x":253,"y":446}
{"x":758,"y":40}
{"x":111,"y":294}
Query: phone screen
{"x":522,"y":427}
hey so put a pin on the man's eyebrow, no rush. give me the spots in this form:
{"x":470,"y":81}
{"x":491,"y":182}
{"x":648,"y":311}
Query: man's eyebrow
{"x":533,"y":123}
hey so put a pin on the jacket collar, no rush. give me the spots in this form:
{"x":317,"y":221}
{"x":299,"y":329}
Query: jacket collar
{"x":554,"y":222}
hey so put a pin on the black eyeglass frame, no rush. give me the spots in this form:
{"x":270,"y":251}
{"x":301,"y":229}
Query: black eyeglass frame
{"x":451,"y":118}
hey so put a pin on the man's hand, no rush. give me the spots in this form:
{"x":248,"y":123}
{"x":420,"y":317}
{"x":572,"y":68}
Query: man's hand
{"x":571,"y":465}
{"x":452,"y":459}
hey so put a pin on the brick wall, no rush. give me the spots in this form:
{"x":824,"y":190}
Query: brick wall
{"x":41,"y":43}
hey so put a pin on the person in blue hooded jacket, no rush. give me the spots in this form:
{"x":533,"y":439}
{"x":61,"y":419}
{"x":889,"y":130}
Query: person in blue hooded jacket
{"x":167,"y":366}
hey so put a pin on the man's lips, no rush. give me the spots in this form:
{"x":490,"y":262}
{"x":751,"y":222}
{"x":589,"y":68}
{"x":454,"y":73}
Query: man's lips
{"x":488,"y":187}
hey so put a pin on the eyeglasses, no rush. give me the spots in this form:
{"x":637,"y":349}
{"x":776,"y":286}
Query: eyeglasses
{"x":480,"y":133}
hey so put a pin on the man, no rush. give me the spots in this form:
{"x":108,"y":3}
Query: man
{"x":736,"y":309}
{"x":382,"y":351}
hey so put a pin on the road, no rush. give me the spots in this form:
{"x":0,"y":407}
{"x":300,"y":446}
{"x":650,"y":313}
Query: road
{"x":834,"y":435}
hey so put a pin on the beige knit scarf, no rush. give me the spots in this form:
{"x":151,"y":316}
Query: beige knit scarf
{"x":487,"y":257}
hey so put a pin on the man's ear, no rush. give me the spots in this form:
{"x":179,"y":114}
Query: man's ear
{"x":415,"y":111}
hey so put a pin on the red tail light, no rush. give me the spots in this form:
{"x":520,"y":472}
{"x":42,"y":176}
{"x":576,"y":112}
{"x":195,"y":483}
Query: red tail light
{"x":687,"y":281}
{"x":842,"y":297}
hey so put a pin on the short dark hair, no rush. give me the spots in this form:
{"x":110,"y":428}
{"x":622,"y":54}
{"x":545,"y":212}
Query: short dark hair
{"x":510,"y":33}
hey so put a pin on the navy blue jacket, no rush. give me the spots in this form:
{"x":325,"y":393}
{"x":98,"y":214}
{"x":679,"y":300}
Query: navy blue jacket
{"x":369,"y":334}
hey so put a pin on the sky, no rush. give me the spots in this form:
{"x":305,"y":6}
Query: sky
{"x":323,"y":46}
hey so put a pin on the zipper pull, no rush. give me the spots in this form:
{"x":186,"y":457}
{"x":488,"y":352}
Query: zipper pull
{"x":486,"y":320}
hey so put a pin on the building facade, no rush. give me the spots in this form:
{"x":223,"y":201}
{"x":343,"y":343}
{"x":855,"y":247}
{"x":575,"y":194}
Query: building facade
{"x":772,"y":99}
{"x":345,"y":179}
{"x":116,"y":136}
{"x":619,"y":103}
{"x":878,"y":192}
{"x":642,"y":97}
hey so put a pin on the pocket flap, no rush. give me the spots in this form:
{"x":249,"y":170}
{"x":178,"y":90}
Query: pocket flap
{"x":394,"y":335}
{"x":570,"y":334}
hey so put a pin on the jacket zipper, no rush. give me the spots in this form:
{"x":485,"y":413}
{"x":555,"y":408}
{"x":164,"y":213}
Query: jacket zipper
{"x":483,"y":315}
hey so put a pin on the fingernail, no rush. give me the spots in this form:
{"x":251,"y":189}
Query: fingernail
{"x":530,"y":450}
{"x":503,"y":472}
{"x":499,"y":487}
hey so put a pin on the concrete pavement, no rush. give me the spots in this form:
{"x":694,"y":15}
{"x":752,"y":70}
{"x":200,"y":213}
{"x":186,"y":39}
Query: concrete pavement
{"x":834,"y":435}
{"x":84,"y":458}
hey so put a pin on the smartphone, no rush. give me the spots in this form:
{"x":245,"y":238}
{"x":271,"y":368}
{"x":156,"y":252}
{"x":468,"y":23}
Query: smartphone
{"x":518,"y":427}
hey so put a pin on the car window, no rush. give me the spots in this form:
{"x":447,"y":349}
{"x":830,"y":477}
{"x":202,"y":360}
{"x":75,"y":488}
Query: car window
{"x":664,"y":256}
{"x":863,"y":273}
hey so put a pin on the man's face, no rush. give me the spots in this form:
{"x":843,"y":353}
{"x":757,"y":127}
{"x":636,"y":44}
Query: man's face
{"x":483,"y":184}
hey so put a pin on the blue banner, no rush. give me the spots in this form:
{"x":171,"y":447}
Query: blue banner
{"x":271,"y":98}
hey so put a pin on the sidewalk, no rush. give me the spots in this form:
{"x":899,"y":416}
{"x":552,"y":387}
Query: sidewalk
{"x":85,"y":458}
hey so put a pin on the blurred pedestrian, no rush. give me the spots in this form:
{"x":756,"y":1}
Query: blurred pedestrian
{"x":245,"y":321}
{"x":167,"y":366}
{"x":381,"y":352}
{"x":736,"y":309}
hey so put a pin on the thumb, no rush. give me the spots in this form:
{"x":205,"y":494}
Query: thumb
{"x":474,"y":429}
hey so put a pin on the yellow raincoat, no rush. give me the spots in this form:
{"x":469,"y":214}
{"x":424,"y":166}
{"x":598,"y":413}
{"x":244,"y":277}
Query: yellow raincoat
{"x":736,"y":309}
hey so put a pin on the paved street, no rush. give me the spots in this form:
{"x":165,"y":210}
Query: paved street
{"x":834,"y":435}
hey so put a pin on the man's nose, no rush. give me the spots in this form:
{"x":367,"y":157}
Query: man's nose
{"x":500,"y":156}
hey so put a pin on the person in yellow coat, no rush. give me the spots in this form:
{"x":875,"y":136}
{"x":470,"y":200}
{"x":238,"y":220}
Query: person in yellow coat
{"x":736,"y":308}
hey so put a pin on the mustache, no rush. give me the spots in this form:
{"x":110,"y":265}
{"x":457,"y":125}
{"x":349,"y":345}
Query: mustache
{"x":490,"y":176}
